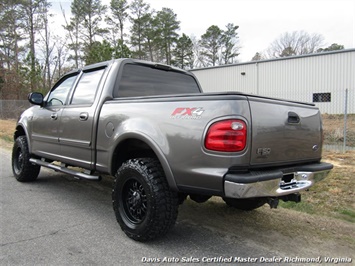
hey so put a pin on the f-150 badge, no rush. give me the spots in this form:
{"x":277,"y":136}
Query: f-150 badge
{"x":187,"y":113}
{"x":263,"y":151}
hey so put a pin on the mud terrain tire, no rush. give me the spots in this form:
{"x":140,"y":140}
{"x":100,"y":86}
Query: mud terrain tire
{"x":144,"y":205}
{"x":22,"y":168}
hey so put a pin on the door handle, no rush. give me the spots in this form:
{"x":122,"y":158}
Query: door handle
{"x":83,"y":116}
{"x":54,"y":116}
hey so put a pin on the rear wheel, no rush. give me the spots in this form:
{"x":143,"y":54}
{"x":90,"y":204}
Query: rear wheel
{"x":144,"y":205}
{"x":245,"y":204}
{"x":23,"y":169}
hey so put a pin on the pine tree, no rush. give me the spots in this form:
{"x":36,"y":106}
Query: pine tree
{"x":11,"y":36}
{"x":167,"y":26}
{"x":87,"y":16}
{"x":119,"y":10}
{"x":229,"y":44}
{"x":139,"y":10}
{"x":211,"y":43}
{"x":183,"y":53}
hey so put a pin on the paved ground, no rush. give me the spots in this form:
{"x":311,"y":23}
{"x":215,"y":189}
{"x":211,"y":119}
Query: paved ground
{"x":59,"y":220}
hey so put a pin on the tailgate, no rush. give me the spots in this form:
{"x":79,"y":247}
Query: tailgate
{"x":284,"y":132}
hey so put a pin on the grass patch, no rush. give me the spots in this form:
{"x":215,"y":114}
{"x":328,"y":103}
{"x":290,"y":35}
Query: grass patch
{"x":335,"y":195}
{"x":347,"y":215}
{"x":333,"y":126}
{"x":301,"y":206}
{"x":7,"y":129}
{"x":6,"y":138}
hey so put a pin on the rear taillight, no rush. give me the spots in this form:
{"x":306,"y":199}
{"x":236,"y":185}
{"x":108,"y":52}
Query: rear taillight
{"x":226,"y":136}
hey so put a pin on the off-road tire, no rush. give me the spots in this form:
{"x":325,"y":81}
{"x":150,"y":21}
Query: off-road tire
{"x":22,"y":168}
{"x":144,"y":205}
{"x":245,"y":204}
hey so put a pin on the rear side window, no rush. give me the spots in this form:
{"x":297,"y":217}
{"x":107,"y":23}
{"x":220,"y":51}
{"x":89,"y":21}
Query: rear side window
{"x":138,"y":80}
{"x":87,"y":86}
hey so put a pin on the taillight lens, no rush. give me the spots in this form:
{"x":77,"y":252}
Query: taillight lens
{"x":226,"y":136}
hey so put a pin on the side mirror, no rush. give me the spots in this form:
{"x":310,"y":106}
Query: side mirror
{"x":35,"y":98}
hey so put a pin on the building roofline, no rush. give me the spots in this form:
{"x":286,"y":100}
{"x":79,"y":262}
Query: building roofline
{"x":278,"y":59}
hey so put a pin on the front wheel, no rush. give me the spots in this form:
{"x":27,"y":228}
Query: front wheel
{"x":23,"y":169}
{"x":144,"y":205}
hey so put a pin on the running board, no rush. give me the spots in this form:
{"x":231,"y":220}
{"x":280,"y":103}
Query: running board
{"x":66,"y":170}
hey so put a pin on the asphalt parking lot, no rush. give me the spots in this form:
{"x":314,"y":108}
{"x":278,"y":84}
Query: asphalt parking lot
{"x":58,"y":220}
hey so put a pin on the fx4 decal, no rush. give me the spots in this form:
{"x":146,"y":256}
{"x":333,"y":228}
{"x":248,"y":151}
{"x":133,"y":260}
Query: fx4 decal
{"x":187,"y":113}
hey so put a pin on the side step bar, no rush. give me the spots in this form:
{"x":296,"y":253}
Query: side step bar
{"x":66,"y":170}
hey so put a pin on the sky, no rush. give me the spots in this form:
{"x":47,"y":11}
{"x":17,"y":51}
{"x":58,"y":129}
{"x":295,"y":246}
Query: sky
{"x":260,"y":21}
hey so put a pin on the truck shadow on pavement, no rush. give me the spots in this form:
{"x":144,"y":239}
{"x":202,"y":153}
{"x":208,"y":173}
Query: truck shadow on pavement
{"x":213,"y":216}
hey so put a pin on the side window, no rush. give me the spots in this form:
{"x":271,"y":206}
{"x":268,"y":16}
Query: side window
{"x":60,"y":93}
{"x":87,"y":86}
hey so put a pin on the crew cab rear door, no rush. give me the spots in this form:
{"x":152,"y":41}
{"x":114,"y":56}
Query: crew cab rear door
{"x":77,"y":120}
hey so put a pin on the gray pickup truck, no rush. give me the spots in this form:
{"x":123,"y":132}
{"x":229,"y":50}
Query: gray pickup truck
{"x":151,"y":127}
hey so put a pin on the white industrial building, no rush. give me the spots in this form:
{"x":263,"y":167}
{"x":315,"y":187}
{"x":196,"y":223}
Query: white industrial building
{"x":326,"y":79}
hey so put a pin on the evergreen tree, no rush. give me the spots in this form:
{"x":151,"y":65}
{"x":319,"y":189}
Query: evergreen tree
{"x":183,"y":53}
{"x":139,"y":10}
{"x":229,"y":44}
{"x":119,"y":11}
{"x":89,"y":14}
{"x":150,"y":40}
{"x":73,"y":30}
{"x":11,"y":36}
{"x":121,"y":50}
{"x":333,"y":47}
{"x":211,"y":43}
{"x":99,"y":52}
{"x":167,"y":26}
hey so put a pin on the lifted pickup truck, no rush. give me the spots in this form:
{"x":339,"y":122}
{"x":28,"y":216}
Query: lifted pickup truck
{"x":151,"y":127}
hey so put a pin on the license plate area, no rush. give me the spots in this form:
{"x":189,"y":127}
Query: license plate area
{"x":288,"y":181}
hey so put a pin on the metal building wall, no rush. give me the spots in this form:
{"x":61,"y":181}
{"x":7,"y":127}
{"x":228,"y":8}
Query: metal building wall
{"x":295,"y":78}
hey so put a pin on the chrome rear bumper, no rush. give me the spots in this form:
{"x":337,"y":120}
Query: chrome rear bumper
{"x":274,"y":183}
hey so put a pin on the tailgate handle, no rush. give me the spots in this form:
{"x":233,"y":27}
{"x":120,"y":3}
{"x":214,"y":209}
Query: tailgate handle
{"x":293,"y":118}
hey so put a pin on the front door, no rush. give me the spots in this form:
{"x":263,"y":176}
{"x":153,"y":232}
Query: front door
{"x":46,"y":119}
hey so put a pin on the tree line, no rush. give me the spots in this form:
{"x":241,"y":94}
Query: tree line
{"x":33,"y":57}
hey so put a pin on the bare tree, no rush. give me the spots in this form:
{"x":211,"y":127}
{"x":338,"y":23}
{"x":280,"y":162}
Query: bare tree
{"x":196,"y":48}
{"x":295,"y":43}
{"x":60,"y":58}
{"x":47,"y":50}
